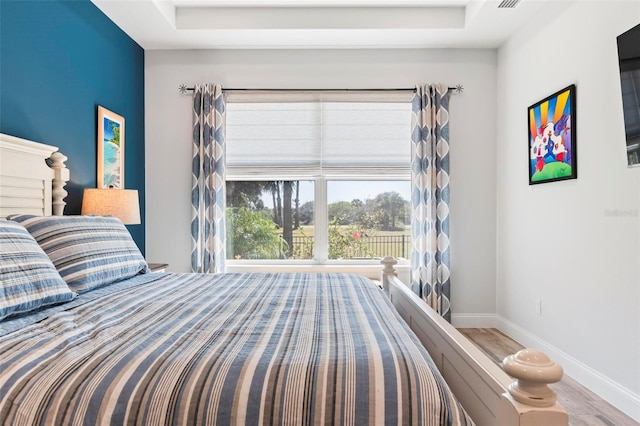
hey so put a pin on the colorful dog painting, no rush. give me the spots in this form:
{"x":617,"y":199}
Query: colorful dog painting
{"x":552,"y":142}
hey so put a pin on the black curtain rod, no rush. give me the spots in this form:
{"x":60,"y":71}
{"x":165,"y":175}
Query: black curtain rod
{"x":458,"y":89}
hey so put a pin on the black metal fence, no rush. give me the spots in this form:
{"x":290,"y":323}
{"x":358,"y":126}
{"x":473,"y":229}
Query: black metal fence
{"x":377,"y":246}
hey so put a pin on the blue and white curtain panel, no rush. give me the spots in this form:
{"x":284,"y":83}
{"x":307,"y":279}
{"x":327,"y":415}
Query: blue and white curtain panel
{"x":430,"y":258}
{"x":208,"y":187}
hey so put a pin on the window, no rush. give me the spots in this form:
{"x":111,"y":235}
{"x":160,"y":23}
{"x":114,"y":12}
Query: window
{"x":270,"y":219}
{"x":318,"y":176}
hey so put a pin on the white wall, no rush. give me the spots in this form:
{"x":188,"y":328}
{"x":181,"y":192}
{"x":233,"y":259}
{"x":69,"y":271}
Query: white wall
{"x":472,"y":130}
{"x":559,"y":242}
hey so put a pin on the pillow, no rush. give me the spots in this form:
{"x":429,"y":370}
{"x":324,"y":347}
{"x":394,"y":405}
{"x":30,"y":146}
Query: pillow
{"x":87,"y":251}
{"x":28,"y":279}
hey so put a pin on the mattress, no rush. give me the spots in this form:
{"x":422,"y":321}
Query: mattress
{"x":203,"y":349}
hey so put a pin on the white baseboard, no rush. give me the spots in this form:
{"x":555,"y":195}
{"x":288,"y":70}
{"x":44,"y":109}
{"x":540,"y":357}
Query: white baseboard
{"x":473,"y":320}
{"x":619,"y":396}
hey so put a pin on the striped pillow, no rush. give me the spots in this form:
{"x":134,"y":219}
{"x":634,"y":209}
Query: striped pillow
{"x":28,"y":279}
{"x":88,"y":251}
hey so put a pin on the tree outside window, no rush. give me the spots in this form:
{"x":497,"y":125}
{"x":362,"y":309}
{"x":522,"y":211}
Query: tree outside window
{"x":276,"y":219}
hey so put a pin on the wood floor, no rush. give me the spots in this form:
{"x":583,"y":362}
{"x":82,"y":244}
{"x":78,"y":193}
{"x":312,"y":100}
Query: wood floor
{"x":584,"y":407}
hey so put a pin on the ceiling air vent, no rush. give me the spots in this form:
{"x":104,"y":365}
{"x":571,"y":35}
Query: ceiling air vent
{"x":508,"y":4}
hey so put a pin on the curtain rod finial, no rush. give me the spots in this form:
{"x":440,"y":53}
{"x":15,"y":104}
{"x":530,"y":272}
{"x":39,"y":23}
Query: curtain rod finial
{"x":182,"y":88}
{"x":459,"y":88}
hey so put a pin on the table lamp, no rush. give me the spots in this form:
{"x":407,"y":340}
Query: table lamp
{"x":121,"y":203}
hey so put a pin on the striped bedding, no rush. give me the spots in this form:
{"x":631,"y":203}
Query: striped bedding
{"x":197,"y":349}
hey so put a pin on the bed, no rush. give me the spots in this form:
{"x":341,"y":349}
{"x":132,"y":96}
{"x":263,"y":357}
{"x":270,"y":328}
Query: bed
{"x":226,"y":349}
{"x":268,"y":348}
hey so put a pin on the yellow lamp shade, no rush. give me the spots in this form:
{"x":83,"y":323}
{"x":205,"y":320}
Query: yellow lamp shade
{"x":121,"y":203}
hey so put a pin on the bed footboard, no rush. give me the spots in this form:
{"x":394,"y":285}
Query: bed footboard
{"x":488,"y":394}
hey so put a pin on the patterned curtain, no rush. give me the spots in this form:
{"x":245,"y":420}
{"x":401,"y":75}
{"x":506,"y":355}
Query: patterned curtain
{"x":430,"y":197}
{"x":208,"y":186}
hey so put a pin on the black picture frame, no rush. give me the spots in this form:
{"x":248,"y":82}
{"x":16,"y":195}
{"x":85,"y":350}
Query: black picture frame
{"x":552,"y":153}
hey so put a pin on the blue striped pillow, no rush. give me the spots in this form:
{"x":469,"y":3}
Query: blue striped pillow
{"x":87,"y":251}
{"x":28,"y":279}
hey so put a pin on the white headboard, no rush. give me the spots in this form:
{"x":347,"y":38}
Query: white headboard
{"x":28,"y":184}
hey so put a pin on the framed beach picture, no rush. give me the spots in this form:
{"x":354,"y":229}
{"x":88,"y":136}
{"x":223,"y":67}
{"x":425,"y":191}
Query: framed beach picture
{"x":552,"y":138}
{"x":110,"y":149}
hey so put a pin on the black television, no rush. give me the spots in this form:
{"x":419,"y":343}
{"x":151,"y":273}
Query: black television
{"x":629,"y":59}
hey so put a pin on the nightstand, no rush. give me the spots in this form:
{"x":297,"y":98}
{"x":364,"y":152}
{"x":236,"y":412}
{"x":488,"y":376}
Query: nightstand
{"x":158,"y":267}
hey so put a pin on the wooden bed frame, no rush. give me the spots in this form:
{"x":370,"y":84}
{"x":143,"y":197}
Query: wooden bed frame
{"x":488,"y":394}
{"x":32,"y":179}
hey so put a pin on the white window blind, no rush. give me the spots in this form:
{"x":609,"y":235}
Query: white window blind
{"x":332,"y":135}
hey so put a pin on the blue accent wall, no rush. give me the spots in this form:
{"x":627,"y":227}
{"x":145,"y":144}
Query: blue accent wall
{"x":59,"y":60}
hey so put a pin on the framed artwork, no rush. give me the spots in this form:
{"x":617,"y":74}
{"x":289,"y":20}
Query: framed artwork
{"x":110,"y":149}
{"x":552,"y":138}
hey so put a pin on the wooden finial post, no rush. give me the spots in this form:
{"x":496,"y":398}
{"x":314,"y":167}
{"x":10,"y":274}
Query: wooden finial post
{"x":388,"y":271}
{"x":60,"y":179}
{"x":533,"y":371}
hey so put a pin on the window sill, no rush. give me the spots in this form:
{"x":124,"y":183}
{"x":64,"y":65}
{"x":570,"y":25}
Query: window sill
{"x":370,"y":269}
